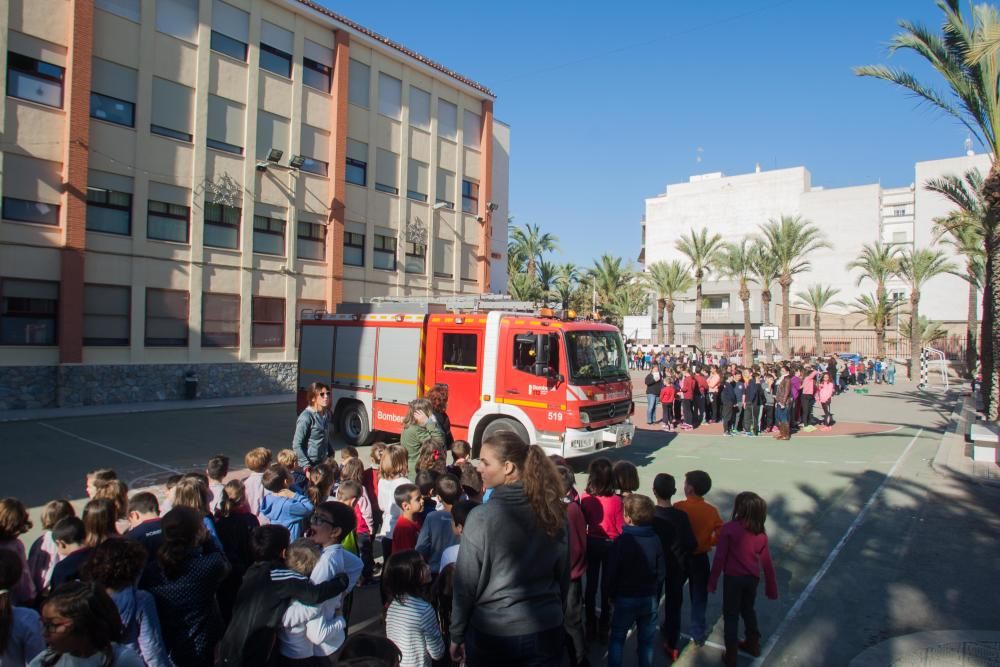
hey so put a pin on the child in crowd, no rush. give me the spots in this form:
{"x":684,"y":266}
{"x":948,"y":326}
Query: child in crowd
{"x":353,"y":471}
{"x":825,"y":397}
{"x":281,"y":505}
{"x":144,"y":523}
{"x":235,"y":526}
{"x":410,"y":621}
{"x":99,"y":519}
{"x":168,"y":496}
{"x":636,"y":571}
{"x":393,"y":468}
{"x":216,"y":471}
{"x":436,"y":532}
{"x":626,"y":478}
{"x":348,"y":453}
{"x":460,"y":453}
{"x":706,"y":523}
{"x":667,"y":396}
{"x":96,"y":476}
{"x":431,"y":459}
{"x":43,"y":555}
{"x":116,"y":491}
{"x":71,"y":541}
{"x":410,"y":501}
{"x":300,"y":482}
{"x":673,"y":528}
{"x":20,"y":627}
{"x":192,"y":492}
{"x":369,"y":480}
{"x":741,"y":555}
{"x":330,"y":523}
{"x":472,"y":482}
{"x":116,"y":565}
{"x":459,"y":514}
{"x":321,"y":481}
{"x":767,"y":388}
{"x":294,"y":645}
{"x":602,"y":508}
{"x":14,"y":522}
{"x":573,"y":605}
{"x":425,"y":481}
{"x":257,"y":460}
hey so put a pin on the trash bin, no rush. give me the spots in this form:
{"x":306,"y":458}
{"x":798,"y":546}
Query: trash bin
{"x":190,"y":386}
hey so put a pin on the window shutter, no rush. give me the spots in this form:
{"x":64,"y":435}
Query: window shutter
{"x":115,"y":80}
{"x":230,"y":21}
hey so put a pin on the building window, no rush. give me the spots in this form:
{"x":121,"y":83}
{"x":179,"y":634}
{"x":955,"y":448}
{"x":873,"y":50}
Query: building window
{"x":28,"y":311}
{"x":109,"y":211}
{"x":899,"y":237}
{"x":357,"y":163}
{"x":470,"y":262}
{"x":127,"y":9}
{"x":447,"y":120}
{"x":306,"y":309}
{"x":358,"y":81}
{"x":446,"y":188}
{"x":899,"y":211}
{"x":178,"y":18}
{"x":107,"y":313}
{"x":316,"y":75}
{"x":420,"y":108}
{"x":416,"y":258}
{"x":417,"y":180}
{"x":167,"y":222}
{"x":801,"y":320}
{"x":390,"y":96}
{"x":268,"y":235}
{"x":386,"y":171}
{"x":173,"y":134}
{"x":225,"y":125}
{"x":220,"y":320}
{"x":222,"y":226}
{"x":172,"y":109}
{"x":385,"y":252}
{"x":715,"y":301}
{"x":268,"y":316}
{"x":444,"y":258}
{"x":314,"y":166}
{"x":458,"y":352}
{"x":275,"y":61}
{"x":229,"y":46}
{"x":230,"y":30}
{"x":166,"y":318}
{"x":24,"y":210}
{"x":471,"y":130}
{"x":34,"y":80}
{"x":354,"y":249}
{"x":112,"y":110}
{"x":311,"y":242}
{"x":470,"y":197}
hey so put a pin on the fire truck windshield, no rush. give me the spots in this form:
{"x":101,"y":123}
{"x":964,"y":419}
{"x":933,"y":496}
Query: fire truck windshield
{"x":595,"y":356}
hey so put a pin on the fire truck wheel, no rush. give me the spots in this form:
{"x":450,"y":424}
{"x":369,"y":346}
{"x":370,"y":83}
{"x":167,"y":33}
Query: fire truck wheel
{"x":504,"y":424}
{"x":354,"y":424}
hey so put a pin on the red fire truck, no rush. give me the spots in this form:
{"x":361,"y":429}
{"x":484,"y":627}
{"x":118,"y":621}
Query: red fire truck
{"x":558,"y":381}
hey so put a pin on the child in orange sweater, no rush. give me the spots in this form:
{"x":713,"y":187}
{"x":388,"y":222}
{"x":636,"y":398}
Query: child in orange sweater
{"x":706,"y":523}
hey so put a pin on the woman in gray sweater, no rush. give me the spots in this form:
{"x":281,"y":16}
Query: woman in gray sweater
{"x":512,"y":573}
{"x":311,"y":442}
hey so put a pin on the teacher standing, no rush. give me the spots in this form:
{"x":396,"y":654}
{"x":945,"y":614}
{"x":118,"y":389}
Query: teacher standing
{"x":311,"y":442}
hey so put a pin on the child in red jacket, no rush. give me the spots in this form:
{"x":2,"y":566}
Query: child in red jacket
{"x":740,"y":554}
{"x":667,"y":396}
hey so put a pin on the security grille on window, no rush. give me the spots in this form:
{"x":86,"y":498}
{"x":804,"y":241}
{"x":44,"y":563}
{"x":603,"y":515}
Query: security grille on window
{"x":470,"y":197}
{"x":311,"y":242}
{"x":386,"y":171}
{"x":28,"y":312}
{"x":416,"y":258}
{"x":106,"y":315}
{"x":276,"y":45}
{"x":268,"y":316}
{"x":109,"y":211}
{"x":317,"y":66}
{"x":166,"y":318}
{"x":167,"y":222}
{"x":268,"y":235}
{"x":222,"y":226}
{"x":354,"y":244}
{"x":35,"y":80}
{"x":357,"y":163}
{"x":230,"y":30}
{"x":417,"y":180}
{"x":458,"y":352}
{"x":220,"y":320}
{"x":446,"y":188}
{"x":358,"y":82}
{"x":385,"y":252}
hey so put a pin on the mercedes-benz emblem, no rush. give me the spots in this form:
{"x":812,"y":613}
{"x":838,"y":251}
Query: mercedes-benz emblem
{"x":611,"y":410}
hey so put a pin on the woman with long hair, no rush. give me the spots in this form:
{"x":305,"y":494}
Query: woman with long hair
{"x":192,"y":492}
{"x":20,"y":627}
{"x":513,"y":570}
{"x":438,"y":396}
{"x":311,"y":441}
{"x":185,"y":588}
{"x":419,"y":428}
{"x":99,"y":518}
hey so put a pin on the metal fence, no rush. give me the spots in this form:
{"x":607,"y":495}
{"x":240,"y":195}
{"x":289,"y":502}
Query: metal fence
{"x":805,"y":344}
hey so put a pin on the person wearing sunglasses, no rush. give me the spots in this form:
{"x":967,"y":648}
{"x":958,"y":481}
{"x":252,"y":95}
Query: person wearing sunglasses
{"x":311,"y":442}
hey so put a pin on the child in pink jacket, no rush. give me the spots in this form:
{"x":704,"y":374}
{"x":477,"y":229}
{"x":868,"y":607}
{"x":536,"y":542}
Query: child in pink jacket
{"x":825,"y":396}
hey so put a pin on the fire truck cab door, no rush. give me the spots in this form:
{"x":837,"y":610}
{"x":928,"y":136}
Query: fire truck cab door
{"x":532,"y":363}
{"x":458,"y":361}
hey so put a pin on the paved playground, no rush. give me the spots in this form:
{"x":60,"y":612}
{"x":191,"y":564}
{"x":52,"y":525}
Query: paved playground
{"x":871,"y":542}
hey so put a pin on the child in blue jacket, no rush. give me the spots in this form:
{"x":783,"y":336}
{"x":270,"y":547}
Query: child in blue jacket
{"x":281,"y":505}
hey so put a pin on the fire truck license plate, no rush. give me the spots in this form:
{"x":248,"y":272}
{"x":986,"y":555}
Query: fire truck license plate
{"x":623,"y":438}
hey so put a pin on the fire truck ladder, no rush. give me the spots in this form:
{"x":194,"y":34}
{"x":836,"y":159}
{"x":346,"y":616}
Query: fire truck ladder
{"x":467,"y":302}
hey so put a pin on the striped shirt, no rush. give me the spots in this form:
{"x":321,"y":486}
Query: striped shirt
{"x":411,"y":624}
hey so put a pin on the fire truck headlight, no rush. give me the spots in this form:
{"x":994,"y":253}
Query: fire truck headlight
{"x":584,"y":417}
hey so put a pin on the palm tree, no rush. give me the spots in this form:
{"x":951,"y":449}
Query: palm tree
{"x":703,"y":251}
{"x":736,"y":263}
{"x":966,"y":56}
{"x":877,"y":310}
{"x":964,"y":229}
{"x":669,"y":280}
{"x":929,"y":331}
{"x":878,"y":263}
{"x":765,"y":272}
{"x":790,"y":240}
{"x":567,"y":276}
{"x":523,"y":287}
{"x":816,"y":298}
{"x":531,"y":244}
{"x":607,"y":277}
{"x":916,"y":267}
{"x":547,"y":274}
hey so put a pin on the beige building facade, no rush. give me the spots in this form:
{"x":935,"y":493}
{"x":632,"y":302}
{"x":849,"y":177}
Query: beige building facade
{"x":183,"y":180}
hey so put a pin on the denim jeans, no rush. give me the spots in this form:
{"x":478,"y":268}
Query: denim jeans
{"x":651,"y":401}
{"x":698,"y":589}
{"x":628,"y":610}
{"x":538,"y":649}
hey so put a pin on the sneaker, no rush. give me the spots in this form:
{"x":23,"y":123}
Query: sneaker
{"x":746,"y":434}
{"x":665,"y":427}
{"x":809,"y":429}
{"x":728,"y":434}
{"x":824,"y":428}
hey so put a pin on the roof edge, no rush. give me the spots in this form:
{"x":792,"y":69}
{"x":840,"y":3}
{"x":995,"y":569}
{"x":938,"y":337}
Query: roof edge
{"x":397,"y":46}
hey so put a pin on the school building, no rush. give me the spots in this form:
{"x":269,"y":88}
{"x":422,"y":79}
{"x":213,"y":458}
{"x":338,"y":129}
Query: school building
{"x":184,"y":180}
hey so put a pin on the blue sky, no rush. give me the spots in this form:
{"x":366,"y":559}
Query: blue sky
{"x":609,"y":102}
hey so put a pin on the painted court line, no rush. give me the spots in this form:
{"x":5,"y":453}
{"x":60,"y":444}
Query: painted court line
{"x":826,"y":463}
{"x":685,"y":456}
{"x":774,"y":461}
{"x":814,"y":582}
{"x":721,"y":459}
{"x":107,"y":447}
